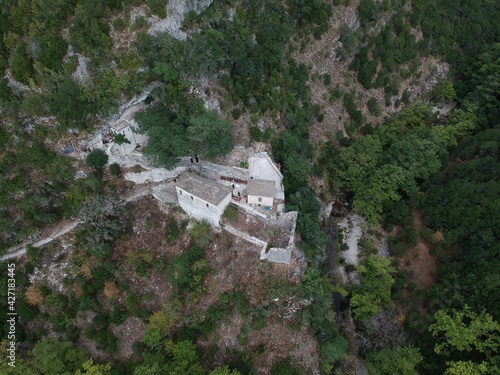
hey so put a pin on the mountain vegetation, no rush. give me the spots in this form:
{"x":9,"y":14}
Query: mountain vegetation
{"x":388,"y":155}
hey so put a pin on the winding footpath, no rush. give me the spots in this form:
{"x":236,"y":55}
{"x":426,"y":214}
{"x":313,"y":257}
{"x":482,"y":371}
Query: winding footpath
{"x":20,"y":250}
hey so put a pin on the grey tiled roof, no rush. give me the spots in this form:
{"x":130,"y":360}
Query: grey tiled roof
{"x":208,"y":190}
{"x":261,"y":188}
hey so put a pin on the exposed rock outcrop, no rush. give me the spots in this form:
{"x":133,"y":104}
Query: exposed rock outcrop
{"x":176,"y":11}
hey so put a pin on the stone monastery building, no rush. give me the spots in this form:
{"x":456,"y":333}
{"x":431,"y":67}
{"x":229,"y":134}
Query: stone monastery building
{"x":202,"y":198}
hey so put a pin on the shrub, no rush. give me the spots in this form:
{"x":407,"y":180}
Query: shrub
{"x":285,"y":368}
{"x":256,"y":134}
{"x":327,"y":79}
{"x":97,"y":159}
{"x":115,"y":169}
{"x":119,"y":315}
{"x":142,"y":268}
{"x":121,"y":139}
{"x":398,"y":249}
{"x":132,"y":303}
{"x":158,"y":7}
{"x":335,"y":94}
{"x":230,"y":212}
{"x":411,"y":236}
{"x":200,"y":234}
{"x":173,"y":231}
{"x":236,"y":113}
{"x":186,"y":271}
{"x":119,"y":24}
{"x":140,"y":23}
{"x":259,"y":323}
{"x":373,"y":107}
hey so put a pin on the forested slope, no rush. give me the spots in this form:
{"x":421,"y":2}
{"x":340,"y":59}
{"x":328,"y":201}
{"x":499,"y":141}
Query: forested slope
{"x":249,"y":55}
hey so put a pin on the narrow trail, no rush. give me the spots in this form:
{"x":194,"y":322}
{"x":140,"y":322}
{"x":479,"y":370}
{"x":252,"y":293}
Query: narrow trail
{"x":17,"y":251}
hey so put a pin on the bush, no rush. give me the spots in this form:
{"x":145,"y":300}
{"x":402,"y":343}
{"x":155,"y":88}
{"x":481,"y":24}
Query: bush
{"x":115,"y":169}
{"x":236,"y":113}
{"x":327,"y":79}
{"x":141,"y":268}
{"x":335,"y":94}
{"x":173,"y":231}
{"x":331,"y":352}
{"x":140,"y":23}
{"x":230,"y":212}
{"x":373,"y":107}
{"x":398,"y":249}
{"x":285,"y":368}
{"x":256,"y":134}
{"x":158,"y":7}
{"x":119,"y":24}
{"x":411,"y":236}
{"x":186,"y":271}
{"x":132,"y":303}
{"x":119,"y":315}
{"x":97,"y":159}
{"x":121,"y":139}
{"x":200,"y":234}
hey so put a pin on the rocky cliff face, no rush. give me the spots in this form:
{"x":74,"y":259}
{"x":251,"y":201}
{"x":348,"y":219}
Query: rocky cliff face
{"x":176,"y":11}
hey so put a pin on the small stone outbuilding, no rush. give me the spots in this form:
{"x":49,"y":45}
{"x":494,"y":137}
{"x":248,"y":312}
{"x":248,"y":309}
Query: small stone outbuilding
{"x":261,"y":192}
{"x":262,"y":167}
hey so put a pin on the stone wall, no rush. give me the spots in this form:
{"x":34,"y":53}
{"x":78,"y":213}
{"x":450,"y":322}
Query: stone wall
{"x":200,"y":209}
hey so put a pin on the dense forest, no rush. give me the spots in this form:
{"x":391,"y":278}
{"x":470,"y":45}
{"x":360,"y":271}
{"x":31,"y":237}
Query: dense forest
{"x":386,"y":155}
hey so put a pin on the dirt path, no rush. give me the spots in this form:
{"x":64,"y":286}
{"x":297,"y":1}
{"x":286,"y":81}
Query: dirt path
{"x":418,"y":260}
{"x":18,"y":251}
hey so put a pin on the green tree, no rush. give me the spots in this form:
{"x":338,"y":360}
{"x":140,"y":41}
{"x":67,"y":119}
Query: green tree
{"x":466,"y":368}
{"x":115,"y":169}
{"x":485,"y":76}
{"x":104,"y":218}
{"x":380,"y":188}
{"x":333,"y":351}
{"x":183,"y":358}
{"x":66,"y":101}
{"x":468,"y":336}
{"x":187,"y":271}
{"x":201,"y":233}
{"x":164,"y":319}
{"x":374,"y":293}
{"x":396,"y":360}
{"x":444,"y":90}
{"x":224,"y":371}
{"x":356,"y":162}
{"x":97,"y":159}
{"x":418,"y":153}
{"x":91,"y":368}
{"x":460,"y":123}
{"x":210,"y":135}
{"x":465,"y":330}
{"x":297,"y":169}
{"x":52,"y":357}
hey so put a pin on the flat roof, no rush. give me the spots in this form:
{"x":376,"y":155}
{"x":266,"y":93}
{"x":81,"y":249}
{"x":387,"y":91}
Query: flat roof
{"x":261,"y":188}
{"x":262,"y":167}
{"x":208,"y":190}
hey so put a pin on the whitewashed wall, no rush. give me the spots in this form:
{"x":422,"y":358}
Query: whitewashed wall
{"x":266,"y":201}
{"x":200,"y":209}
